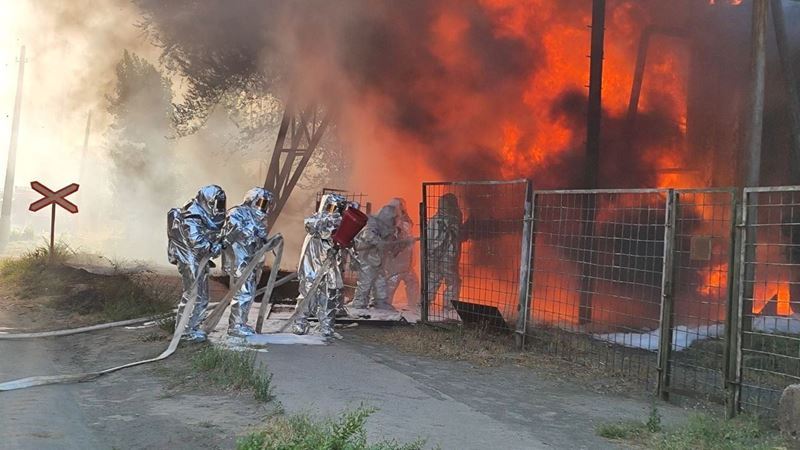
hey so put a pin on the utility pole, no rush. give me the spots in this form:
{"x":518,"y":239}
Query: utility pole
{"x":758,"y":65}
{"x":751,"y":178}
{"x":591,"y":169}
{"x":595,"y":93}
{"x":8,"y":189}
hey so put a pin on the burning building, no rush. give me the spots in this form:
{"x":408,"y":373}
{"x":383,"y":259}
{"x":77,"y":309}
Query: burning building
{"x":470,"y":90}
{"x":497,"y":89}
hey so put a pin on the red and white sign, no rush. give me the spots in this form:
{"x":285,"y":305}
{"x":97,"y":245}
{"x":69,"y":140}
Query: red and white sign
{"x":54,"y":197}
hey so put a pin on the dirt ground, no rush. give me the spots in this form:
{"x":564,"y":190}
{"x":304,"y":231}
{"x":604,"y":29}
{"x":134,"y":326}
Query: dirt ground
{"x":152,"y":406}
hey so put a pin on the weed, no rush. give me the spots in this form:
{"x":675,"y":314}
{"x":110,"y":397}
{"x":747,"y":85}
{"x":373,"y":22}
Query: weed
{"x":233,"y":370}
{"x":701,"y":432}
{"x":302,"y":432}
{"x":629,"y":430}
{"x":704,"y":432}
{"x":653,"y":420}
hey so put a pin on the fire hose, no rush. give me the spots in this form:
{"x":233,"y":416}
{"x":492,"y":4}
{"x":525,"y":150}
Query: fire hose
{"x":312,"y":291}
{"x":124,"y":323}
{"x":176,"y":336}
{"x":275,"y":242}
{"x":102,"y":326}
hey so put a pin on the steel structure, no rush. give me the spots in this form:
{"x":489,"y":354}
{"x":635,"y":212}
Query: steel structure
{"x":301,"y":131}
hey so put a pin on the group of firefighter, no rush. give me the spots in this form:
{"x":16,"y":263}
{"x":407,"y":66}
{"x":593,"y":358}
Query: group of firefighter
{"x":381,"y":253}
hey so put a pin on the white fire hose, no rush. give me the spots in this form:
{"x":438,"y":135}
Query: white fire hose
{"x":102,"y":326}
{"x":216,"y":314}
{"x":312,"y":292}
{"x":173,"y":344}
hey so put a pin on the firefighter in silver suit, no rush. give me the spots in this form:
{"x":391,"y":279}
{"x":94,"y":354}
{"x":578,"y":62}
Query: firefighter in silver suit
{"x":318,"y":249}
{"x":444,"y":250}
{"x":193,"y":233}
{"x":370,"y":245}
{"x":399,"y":261}
{"x":244,"y":233}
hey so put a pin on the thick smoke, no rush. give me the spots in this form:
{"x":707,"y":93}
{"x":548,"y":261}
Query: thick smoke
{"x":482,"y":89}
{"x":455,"y":89}
{"x":134,"y":169}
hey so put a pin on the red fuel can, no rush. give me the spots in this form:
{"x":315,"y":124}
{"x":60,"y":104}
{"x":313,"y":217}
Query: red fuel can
{"x":353,"y":221}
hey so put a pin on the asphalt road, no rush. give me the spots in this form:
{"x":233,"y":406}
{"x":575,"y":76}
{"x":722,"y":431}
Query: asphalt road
{"x":451,"y":404}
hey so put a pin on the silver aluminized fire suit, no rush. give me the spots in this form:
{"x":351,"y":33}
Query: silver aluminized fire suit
{"x":244,"y":233}
{"x":399,"y":260}
{"x":193,"y":232}
{"x":444,"y":250}
{"x":370,"y":244}
{"x":317,"y":250}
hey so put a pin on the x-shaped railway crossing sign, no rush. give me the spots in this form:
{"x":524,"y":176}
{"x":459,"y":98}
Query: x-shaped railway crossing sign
{"x":54,"y":197}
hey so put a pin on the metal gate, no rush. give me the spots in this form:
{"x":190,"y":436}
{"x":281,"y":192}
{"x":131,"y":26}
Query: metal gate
{"x":472,"y":236}
{"x":768,"y":356}
{"x":596,"y":283}
{"x":694,"y":354}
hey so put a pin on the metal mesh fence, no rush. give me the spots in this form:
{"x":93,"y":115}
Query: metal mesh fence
{"x":472,"y":235}
{"x":359,"y":197}
{"x":769,"y":359}
{"x":652,"y":284}
{"x":597,"y":275}
{"x":704,"y":228}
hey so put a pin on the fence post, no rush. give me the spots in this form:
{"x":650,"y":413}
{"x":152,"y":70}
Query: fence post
{"x":668,"y":272}
{"x":733,"y":312}
{"x":423,"y":255}
{"x":525,"y":269}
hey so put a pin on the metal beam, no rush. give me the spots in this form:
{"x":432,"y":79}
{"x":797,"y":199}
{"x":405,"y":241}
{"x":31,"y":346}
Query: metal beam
{"x":299,"y":135}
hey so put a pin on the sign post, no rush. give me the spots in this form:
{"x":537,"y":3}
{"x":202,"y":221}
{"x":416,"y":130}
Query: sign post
{"x":54,"y":198}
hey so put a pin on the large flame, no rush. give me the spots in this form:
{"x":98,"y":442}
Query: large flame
{"x":535,"y":128}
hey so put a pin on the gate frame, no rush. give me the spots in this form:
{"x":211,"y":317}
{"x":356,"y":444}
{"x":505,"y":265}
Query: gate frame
{"x":526,"y":267}
{"x":745,"y":285}
{"x":667,"y":314}
{"x":733,"y":324}
{"x":526,"y":243}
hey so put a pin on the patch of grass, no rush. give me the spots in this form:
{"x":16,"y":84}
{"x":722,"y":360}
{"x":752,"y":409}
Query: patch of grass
{"x":463,"y":343}
{"x":301,"y":432}
{"x":700,"y":432}
{"x":627,"y":430}
{"x":233,"y":370}
{"x":632,"y":430}
{"x":125,"y":296}
{"x":481,"y":347}
{"x":704,"y":432}
{"x":110,"y":297}
{"x":33,"y":262}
